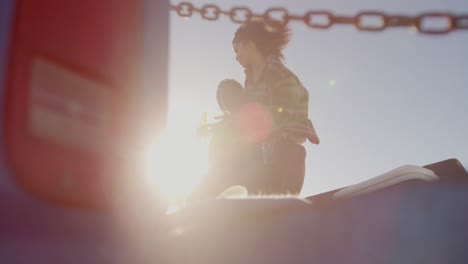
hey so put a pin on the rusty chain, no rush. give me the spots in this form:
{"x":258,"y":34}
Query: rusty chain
{"x":322,"y":19}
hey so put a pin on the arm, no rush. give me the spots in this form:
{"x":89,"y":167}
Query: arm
{"x":289,"y":105}
{"x":285,"y":101}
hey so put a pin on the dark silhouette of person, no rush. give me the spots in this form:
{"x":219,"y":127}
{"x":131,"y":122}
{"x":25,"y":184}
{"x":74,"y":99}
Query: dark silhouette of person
{"x":278,"y":92}
{"x":258,"y":142}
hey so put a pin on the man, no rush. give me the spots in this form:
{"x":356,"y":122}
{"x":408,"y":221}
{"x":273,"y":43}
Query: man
{"x":284,"y":100}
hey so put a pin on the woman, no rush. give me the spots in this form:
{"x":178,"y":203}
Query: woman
{"x":258,"y":144}
{"x":284,"y":102}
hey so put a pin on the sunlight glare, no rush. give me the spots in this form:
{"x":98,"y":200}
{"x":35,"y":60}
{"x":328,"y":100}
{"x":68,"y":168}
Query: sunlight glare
{"x":177,"y":162}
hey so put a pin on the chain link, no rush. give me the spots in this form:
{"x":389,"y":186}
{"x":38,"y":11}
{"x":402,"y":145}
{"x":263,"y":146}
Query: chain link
{"x":434,"y":23}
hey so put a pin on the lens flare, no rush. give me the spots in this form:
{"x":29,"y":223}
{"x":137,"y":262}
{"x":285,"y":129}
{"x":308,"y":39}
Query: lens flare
{"x":177,"y":162}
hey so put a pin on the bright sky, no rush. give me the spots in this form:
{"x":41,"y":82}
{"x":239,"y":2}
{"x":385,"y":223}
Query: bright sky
{"x":377,"y":100}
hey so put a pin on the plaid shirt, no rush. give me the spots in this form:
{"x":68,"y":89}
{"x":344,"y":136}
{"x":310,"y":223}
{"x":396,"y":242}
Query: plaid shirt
{"x":283,"y":94}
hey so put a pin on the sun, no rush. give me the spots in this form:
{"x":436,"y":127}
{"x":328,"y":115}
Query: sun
{"x":177,"y":161}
